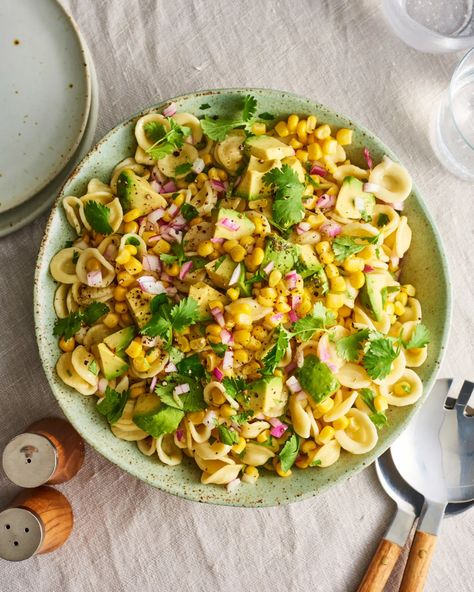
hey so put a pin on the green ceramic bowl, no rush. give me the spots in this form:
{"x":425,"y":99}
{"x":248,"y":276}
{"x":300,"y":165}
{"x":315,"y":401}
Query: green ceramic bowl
{"x":425,"y":266}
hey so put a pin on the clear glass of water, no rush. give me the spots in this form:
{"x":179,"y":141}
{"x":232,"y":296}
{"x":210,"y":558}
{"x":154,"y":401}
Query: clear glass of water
{"x":452,"y":134}
{"x":433,"y":26}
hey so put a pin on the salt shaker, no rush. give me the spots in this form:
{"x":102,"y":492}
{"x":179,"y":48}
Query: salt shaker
{"x":37,"y":521}
{"x":50,"y":451}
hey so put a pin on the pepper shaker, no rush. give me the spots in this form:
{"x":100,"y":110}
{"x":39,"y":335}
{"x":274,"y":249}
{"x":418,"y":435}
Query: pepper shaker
{"x":50,"y":451}
{"x":38,"y":521}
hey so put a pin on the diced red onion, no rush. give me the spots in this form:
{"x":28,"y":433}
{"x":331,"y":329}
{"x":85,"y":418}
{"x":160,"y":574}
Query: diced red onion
{"x":234,"y":278}
{"x":276,"y":318}
{"x":150,"y":285}
{"x":170,"y":368}
{"x":368,"y":158}
{"x":219,"y":186}
{"x":368,"y":268}
{"x":299,"y":358}
{"x":170,"y":187}
{"x":170,"y":110}
{"x":174,"y":235}
{"x":293,"y":384}
{"x":218,"y":374}
{"x":180,"y":434}
{"x":173,"y":210}
{"x":154,"y":238}
{"x":318,"y":170}
{"x":166,"y":278}
{"x":229,"y":224}
{"x":293,"y":316}
{"x":295,"y":301}
{"x":181,"y":389}
{"x":291,"y":366}
{"x":331,"y":229}
{"x":291,"y":278}
{"x":233,"y":485}
{"x":151,"y":263}
{"x":198,"y":165}
{"x":301,"y":396}
{"x":303,"y":227}
{"x":228,"y":361}
{"x":102,"y":385}
{"x":154,"y":380}
{"x":325,"y":202}
{"x":217,"y":241}
{"x":171,"y":291}
{"x":158,"y":175}
{"x":149,"y":341}
{"x":81,"y":245}
{"x":210,"y":419}
{"x":218,"y":315}
{"x":269,"y":267}
{"x":110,"y":251}
{"x":185,"y":269}
{"x":156,"y":186}
{"x":370,"y":187}
{"x":94,"y":278}
{"x":156,"y":215}
{"x":226,"y":337}
{"x":278,"y":429}
{"x":179,"y":222}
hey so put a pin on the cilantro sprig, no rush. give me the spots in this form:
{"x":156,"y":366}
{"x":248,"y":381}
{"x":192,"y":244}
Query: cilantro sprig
{"x":191,"y":401}
{"x":289,"y":453}
{"x":320,"y":318}
{"x":377,"y":417}
{"x":227,"y":435}
{"x":345,"y":246}
{"x":349,"y":347}
{"x":165,"y":142}
{"x":71,"y":324}
{"x":419,"y":338}
{"x":287,"y":208}
{"x":379,"y":355}
{"x":277,"y":351}
{"x":217,"y":129}
{"x":98,"y":215}
{"x":113,"y":404}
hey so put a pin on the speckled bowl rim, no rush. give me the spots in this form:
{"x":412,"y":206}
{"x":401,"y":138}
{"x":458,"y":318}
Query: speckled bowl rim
{"x":366,"y":459}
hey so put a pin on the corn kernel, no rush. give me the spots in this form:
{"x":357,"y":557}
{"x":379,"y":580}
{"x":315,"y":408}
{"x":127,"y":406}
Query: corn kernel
{"x":92,"y":265}
{"x":152,"y":355}
{"x":132,"y":215}
{"x":409,"y":290}
{"x":263,"y":436}
{"x":242,"y":336}
{"x":332,"y":271}
{"x":308,"y":446}
{"x":344,"y":311}
{"x":132,"y":249}
{"x":233,"y":293}
{"x":119,"y":293}
{"x":301,"y":131}
{"x":120,"y":307}
{"x":197,"y":344}
{"x":251,"y":471}
{"x":227,"y":411}
{"x":389,"y":308}
{"x":399,"y":309}
{"x":242,"y":320}
{"x":314,"y":151}
{"x":325,"y":435}
{"x":323,"y":247}
{"x":329,"y":146}
{"x":302,"y":155}
{"x":292,"y":123}
{"x":172,"y":270}
{"x":344,"y":136}
{"x":133,"y":266}
{"x":247,"y":241}
{"x":282,"y":129}
{"x":325,"y":405}
{"x":274,"y":277}
{"x":258,"y":223}
{"x":123,"y":257}
{"x":353,"y":264}
{"x":126,"y":319}
{"x":326,"y":258}
{"x":201,"y":178}
{"x":322,"y":132}
{"x":195,"y":221}
{"x":238,"y":253}
{"x":259,"y":128}
{"x":402,"y":297}
{"x":241,"y":356}
{"x":330,"y":166}
{"x":296,"y":144}
{"x":357,"y":279}
{"x":242,"y":443}
{"x":229,"y":245}
{"x":334,"y":301}
{"x":207,"y":158}
{"x":341,"y":423}
{"x":401,"y":389}
{"x":131,"y":227}
{"x":206,"y":248}
{"x":134,"y":350}
{"x":161,"y":246}
{"x":380,"y":403}
{"x":213,"y":329}
{"x":67,"y":345}
{"x":183,"y":343}
{"x":338,"y":284}
{"x":311,"y":123}
{"x":125,"y":279}
{"x":279,"y":470}
{"x":111,"y":320}
{"x":302,"y":463}
{"x":256,"y":257}
{"x":282,"y":307}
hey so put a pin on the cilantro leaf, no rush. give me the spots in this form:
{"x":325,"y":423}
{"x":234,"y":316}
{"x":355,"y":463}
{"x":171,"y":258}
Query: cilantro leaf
{"x":287,"y":208}
{"x":219,"y":348}
{"x":189,"y":212}
{"x":349,"y":347}
{"x":250,"y":106}
{"x":227,"y":435}
{"x":168,"y":259}
{"x":420,"y":338}
{"x":154,"y":131}
{"x":320,"y":318}
{"x":132,"y":240}
{"x":382,"y":220}
{"x":93,"y":312}
{"x":345,"y":246}
{"x":266,"y":116}
{"x":93,"y":367}
{"x":377,"y":417}
{"x":167,"y":318}
{"x":234,"y":386}
{"x":278,"y":350}
{"x":189,"y":402}
{"x":183,"y":168}
{"x":191,"y":366}
{"x":176,"y":355}
{"x":71,"y":324}
{"x":379,"y":357}
{"x":289,"y":453}
{"x":98,"y":216}
{"x":113,"y":404}
{"x":185,"y":313}
{"x":165,"y":142}
{"x":243,"y":417}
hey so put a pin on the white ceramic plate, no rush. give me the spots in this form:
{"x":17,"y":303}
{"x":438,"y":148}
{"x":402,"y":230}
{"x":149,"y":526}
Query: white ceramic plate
{"x":18,"y":217}
{"x":45,"y":95}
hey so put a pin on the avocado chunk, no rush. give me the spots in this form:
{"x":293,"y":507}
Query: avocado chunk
{"x":296,"y":165}
{"x":317,"y":379}
{"x":120,"y":340}
{"x":371,"y":295}
{"x":308,"y":262}
{"x":139,"y":304}
{"x":203,"y":294}
{"x":283,"y":254}
{"x":220,"y":270}
{"x":267,"y":396}
{"x":251,"y":186}
{"x":227,"y":220}
{"x":111,"y":365}
{"x":268,"y":148}
{"x":135,"y":192}
{"x":157,"y":422}
{"x":354,"y":203}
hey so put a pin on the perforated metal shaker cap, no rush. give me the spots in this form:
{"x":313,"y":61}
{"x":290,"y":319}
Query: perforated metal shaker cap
{"x":21,"y":534}
{"x":29,"y":460}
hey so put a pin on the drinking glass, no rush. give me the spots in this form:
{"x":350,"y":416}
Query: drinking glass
{"x":452,"y":134}
{"x":433,"y":26}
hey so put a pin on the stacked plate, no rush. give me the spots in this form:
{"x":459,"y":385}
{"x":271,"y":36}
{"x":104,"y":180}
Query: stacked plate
{"x":49,"y":105}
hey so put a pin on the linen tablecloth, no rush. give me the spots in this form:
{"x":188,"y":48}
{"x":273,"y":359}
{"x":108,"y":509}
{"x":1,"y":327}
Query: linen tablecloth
{"x":129,"y":536}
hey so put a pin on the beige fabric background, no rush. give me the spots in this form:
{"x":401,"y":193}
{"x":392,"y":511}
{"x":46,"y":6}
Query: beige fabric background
{"x":128,"y":536}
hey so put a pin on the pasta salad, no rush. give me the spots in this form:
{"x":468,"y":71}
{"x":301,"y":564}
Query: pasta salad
{"x":233,"y":296}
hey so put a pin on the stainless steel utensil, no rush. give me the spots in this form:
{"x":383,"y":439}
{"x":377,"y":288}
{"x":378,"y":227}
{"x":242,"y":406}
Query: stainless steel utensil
{"x":435,"y":455}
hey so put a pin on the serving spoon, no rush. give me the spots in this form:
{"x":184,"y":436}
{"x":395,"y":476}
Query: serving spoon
{"x":435,"y":456}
